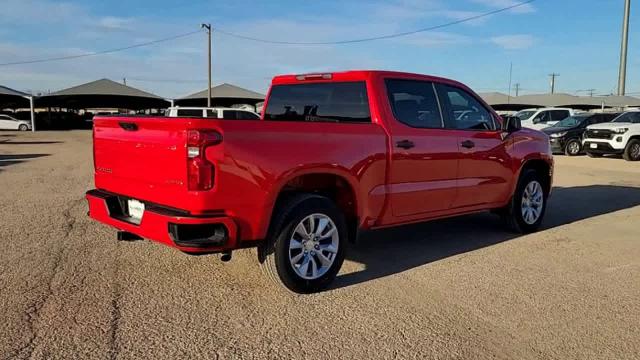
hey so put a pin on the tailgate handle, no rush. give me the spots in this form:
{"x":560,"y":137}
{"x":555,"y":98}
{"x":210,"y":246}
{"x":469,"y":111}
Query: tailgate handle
{"x":128,"y":126}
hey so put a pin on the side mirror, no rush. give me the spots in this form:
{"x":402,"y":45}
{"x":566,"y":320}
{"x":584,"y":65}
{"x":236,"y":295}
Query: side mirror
{"x":511,"y":124}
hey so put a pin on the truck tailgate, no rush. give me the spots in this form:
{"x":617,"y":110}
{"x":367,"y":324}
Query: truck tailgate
{"x":142,"y":157}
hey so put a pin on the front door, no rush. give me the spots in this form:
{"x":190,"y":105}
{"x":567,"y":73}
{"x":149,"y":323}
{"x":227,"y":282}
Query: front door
{"x":424,"y":158}
{"x":485,"y":166}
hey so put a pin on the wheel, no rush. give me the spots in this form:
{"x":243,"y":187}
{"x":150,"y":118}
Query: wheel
{"x":306,"y":245}
{"x":593,"y":155}
{"x":527,"y":207}
{"x":632,"y":150}
{"x":572,"y":148}
{"x":23,"y":127}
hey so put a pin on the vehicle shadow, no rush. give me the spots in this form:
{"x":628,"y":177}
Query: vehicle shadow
{"x":9,"y":142}
{"x":12,"y":159}
{"x":391,"y":251}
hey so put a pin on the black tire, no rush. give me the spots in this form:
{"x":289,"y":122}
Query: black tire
{"x":632,"y":150}
{"x":572,"y":148}
{"x":512,"y":214}
{"x":23,"y":127}
{"x":273,"y":253}
{"x":593,"y":155}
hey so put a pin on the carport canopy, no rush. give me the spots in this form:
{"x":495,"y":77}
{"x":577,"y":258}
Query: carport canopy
{"x":222,"y":95}
{"x":501,"y":101}
{"x":13,"y":99}
{"x":103,"y":93}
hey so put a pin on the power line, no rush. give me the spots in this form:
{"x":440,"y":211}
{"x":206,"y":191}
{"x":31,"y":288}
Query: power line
{"x":102,"y":51}
{"x":381,"y":37}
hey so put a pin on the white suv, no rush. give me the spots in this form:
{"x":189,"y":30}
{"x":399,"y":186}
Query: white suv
{"x":212,"y":113}
{"x":620,"y":136}
{"x":539,"y":119}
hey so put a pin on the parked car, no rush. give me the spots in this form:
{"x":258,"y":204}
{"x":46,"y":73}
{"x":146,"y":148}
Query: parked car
{"x":10,"y":123}
{"x":539,"y":119}
{"x":334,"y":155}
{"x":621,"y":136}
{"x":212,"y":113}
{"x":566,"y":135}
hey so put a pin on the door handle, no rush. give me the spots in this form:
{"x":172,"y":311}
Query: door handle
{"x":128,"y":126}
{"x":468,"y":144}
{"x":405,"y":144}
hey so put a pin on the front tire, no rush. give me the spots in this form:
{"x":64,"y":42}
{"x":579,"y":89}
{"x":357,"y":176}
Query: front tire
{"x":306,"y":245}
{"x":526,"y":210}
{"x":632,"y":150}
{"x":572,"y":148}
{"x":23,"y":127}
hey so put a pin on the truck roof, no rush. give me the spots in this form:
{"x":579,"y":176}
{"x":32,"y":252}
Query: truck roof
{"x":357,"y":75}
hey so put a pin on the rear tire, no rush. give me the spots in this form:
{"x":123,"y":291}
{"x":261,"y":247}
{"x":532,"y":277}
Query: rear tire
{"x":593,"y":155}
{"x":306,"y":245}
{"x":528,"y":204}
{"x":572,"y":148}
{"x":23,"y":127}
{"x":632,"y":150}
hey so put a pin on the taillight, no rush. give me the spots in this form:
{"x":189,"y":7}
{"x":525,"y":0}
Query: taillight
{"x":199,"y":170}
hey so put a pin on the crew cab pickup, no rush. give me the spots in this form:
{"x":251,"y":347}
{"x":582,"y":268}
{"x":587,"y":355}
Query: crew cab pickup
{"x":332,"y":156}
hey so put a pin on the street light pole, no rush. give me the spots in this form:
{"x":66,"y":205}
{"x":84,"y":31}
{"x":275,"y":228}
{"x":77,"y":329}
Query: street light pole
{"x":622,"y":74}
{"x":208,"y":27}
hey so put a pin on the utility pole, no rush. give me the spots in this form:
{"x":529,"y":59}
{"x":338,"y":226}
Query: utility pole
{"x":124,"y":81}
{"x":622,"y":74}
{"x":517,"y":87}
{"x":208,"y":27}
{"x":510,"y":73}
{"x":553,"y":81}
{"x":591,"y":91}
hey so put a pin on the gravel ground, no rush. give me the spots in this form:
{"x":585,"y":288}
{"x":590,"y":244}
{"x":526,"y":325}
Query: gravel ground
{"x":457,"y":288}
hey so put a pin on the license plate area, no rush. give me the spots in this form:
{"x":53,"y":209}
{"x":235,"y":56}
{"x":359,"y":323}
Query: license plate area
{"x":593,"y":146}
{"x":135,"y":210}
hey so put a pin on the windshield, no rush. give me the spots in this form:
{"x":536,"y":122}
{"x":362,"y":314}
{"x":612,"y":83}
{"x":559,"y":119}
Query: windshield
{"x":571,"y":121}
{"x":628,"y":117}
{"x":524,"y":114}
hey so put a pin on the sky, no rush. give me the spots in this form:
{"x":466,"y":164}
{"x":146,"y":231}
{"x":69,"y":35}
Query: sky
{"x":578,"y":39}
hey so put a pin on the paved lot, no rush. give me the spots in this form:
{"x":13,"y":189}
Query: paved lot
{"x":457,"y":288}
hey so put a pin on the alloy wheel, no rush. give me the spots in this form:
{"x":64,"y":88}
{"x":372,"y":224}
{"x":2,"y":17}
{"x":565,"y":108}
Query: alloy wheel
{"x":313,"y":246}
{"x":532,"y":202}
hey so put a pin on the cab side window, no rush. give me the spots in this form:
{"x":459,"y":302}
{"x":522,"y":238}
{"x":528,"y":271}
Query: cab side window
{"x":557,"y":115}
{"x":463,"y":111}
{"x":414,"y":103}
{"x":189,"y":112}
{"x":542,"y":117}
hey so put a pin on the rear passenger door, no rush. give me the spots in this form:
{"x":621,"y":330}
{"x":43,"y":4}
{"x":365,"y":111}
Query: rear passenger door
{"x":484,"y":166}
{"x":424,"y":155}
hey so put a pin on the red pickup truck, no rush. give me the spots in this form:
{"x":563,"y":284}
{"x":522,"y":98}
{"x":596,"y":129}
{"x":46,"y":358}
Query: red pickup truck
{"x":333,"y":155}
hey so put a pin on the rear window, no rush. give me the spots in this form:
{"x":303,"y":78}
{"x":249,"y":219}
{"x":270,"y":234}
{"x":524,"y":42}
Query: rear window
{"x":333,"y":102}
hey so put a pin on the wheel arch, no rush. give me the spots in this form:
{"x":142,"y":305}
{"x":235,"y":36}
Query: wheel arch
{"x":339,"y":186}
{"x":541,"y":165}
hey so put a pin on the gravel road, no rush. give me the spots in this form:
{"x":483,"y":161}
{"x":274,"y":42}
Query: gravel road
{"x":453,"y":289}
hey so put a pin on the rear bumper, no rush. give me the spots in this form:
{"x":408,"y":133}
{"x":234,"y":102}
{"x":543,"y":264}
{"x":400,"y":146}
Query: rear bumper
{"x":175,"y":228}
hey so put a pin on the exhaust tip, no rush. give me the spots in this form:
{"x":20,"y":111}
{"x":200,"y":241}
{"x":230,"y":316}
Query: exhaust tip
{"x":225,"y":256}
